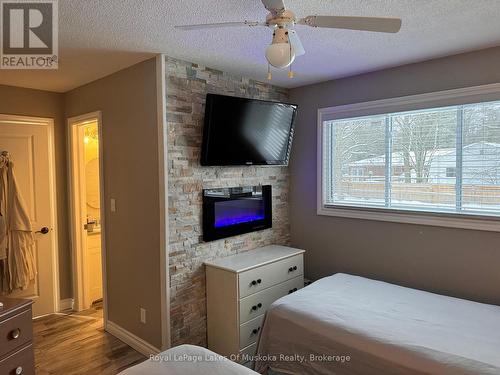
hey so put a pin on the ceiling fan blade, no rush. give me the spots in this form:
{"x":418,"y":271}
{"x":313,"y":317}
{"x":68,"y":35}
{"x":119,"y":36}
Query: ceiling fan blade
{"x":297,"y":46}
{"x":219,"y":25}
{"x":382,"y":25}
{"x":274,"y":6}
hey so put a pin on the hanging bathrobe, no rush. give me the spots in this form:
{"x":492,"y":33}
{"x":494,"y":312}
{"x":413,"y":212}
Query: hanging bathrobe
{"x":17,"y":258}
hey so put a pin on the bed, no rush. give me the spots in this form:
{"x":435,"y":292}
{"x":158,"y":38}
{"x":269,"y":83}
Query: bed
{"x":188,"y":360}
{"x":346,"y":324}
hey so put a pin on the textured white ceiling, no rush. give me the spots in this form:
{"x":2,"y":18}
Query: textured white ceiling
{"x":98,"y":37}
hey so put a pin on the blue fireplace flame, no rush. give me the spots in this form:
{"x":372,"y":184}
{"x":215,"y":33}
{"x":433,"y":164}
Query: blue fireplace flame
{"x":239,"y":211}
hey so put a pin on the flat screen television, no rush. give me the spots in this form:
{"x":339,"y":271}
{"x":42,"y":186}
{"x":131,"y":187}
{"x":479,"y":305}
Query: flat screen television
{"x":240,"y":131}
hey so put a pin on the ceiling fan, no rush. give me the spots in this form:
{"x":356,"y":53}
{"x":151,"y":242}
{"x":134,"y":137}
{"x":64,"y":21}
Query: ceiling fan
{"x":286,"y":45}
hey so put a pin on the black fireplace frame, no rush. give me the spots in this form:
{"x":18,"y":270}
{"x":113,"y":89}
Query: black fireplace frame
{"x":212,"y":196}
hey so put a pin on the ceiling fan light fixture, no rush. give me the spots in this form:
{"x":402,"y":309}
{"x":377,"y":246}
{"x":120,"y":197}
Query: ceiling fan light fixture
{"x":286,"y":45}
{"x":280,"y":55}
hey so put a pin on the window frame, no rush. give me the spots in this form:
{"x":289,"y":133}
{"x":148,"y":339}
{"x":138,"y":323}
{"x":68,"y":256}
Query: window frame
{"x":462,"y":96}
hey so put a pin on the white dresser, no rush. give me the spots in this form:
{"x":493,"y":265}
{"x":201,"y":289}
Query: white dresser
{"x":241,"y":287}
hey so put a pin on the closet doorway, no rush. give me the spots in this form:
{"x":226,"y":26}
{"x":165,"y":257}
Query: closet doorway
{"x":87,"y":211}
{"x":29,"y":144}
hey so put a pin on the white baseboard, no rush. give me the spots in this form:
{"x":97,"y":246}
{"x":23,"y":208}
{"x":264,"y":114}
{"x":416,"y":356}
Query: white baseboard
{"x":131,"y":340}
{"x":66,"y":304}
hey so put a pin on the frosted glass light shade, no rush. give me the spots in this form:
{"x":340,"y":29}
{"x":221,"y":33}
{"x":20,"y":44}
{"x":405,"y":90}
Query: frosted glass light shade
{"x":279,"y":56}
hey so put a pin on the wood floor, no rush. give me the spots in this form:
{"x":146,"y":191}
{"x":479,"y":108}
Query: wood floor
{"x":76,"y":343}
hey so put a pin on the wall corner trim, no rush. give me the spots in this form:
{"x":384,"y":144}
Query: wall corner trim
{"x":161,"y":96}
{"x":131,"y":340}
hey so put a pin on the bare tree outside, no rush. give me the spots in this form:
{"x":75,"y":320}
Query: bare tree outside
{"x":418,"y":136}
{"x":355,"y":140}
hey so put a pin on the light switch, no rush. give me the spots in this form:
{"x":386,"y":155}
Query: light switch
{"x":113,"y":205}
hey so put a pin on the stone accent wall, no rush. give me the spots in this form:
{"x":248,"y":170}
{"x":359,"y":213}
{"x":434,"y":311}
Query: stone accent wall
{"x":187,"y":85}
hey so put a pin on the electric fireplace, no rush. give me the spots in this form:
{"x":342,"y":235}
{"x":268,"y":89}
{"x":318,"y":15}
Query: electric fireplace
{"x":231,"y":211}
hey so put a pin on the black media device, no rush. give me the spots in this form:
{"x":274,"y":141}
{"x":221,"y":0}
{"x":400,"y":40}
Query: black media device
{"x":240,"y":131}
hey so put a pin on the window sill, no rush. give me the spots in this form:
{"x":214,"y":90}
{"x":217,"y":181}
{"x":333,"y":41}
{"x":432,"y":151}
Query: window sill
{"x":413,"y":217}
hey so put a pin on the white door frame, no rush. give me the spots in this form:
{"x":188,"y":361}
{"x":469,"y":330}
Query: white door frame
{"x":49,"y":123}
{"x":77,"y":248}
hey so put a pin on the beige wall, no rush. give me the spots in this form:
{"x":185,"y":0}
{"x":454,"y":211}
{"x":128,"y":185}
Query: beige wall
{"x":28,"y":102}
{"x":128,"y":101}
{"x":458,"y":262}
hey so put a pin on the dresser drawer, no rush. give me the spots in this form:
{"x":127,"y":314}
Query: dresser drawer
{"x":260,"y":278}
{"x":21,"y":362}
{"x":257,"y":303}
{"x":250,"y":331}
{"x":15,"y":332}
{"x":246,"y":355}
{"x":249,"y":351}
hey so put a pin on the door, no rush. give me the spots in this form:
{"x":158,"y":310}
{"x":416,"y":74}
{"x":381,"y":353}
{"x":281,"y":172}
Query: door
{"x":94,"y":268}
{"x":91,"y":206}
{"x":29,"y":143}
{"x":87,"y":214}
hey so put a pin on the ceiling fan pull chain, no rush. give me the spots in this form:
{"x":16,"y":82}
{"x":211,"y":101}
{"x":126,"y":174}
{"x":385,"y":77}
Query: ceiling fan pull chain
{"x":290,"y":71}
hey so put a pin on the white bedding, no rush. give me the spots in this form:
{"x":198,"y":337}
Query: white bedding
{"x":188,"y":360}
{"x":384,"y":328}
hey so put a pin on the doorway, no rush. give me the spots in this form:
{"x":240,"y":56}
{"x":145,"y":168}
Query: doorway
{"x":29,"y":144}
{"x":87,"y":211}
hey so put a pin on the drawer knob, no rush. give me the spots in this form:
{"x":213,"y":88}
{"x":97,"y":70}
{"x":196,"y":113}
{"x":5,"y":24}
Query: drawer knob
{"x":257,"y":306}
{"x":292,"y":290}
{"x":255,"y":282}
{"x":256,"y":330}
{"x":291,"y":269}
{"x":19,"y":370}
{"x":14,"y":334}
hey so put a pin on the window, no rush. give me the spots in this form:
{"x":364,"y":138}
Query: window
{"x":439,"y":160}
